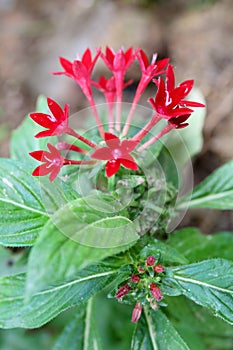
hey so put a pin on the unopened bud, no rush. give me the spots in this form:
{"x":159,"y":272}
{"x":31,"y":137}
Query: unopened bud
{"x":137,"y":311}
{"x":122,"y":291}
{"x":156,"y":292}
{"x":135,"y":278}
{"x":150,"y":260}
{"x":159,"y":268}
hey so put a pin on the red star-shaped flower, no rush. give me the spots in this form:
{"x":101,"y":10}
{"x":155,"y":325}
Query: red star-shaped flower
{"x":116,"y":153}
{"x":169,"y":101}
{"x":52,"y":162}
{"x":56,"y":122}
{"x":119,"y":61}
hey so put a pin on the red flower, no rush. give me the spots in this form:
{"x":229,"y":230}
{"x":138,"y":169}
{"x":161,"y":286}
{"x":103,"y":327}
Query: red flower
{"x":156,"y":292}
{"x":52,"y":162}
{"x":159,"y":268}
{"x":137,"y":311}
{"x":149,"y":70}
{"x":122,"y":291}
{"x":150,"y":260}
{"x":169,"y":101}
{"x":79,"y":70}
{"x":119,"y":61}
{"x":56,"y":122}
{"x":116,"y":153}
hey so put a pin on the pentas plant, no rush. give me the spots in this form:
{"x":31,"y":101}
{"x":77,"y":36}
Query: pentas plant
{"x":89,"y":218}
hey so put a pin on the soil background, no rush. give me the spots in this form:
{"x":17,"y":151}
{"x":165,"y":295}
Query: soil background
{"x":197,"y":36}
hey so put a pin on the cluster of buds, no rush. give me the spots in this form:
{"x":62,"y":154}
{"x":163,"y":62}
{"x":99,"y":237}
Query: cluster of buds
{"x":169,"y":104}
{"x":144,"y":286}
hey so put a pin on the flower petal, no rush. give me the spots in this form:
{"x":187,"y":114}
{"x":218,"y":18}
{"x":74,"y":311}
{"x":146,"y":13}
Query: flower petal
{"x":128,"y":145}
{"x":103,"y":153}
{"x":55,"y":109}
{"x":129,"y":162}
{"x":41,"y":170}
{"x":111,"y":140}
{"x":67,"y":65}
{"x":112,"y":167}
{"x":45,"y":120}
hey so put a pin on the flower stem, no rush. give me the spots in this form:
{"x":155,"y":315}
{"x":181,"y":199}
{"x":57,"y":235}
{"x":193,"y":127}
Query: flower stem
{"x":144,"y":131}
{"x":155,"y":138}
{"x":78,"y":162}
{"x":111,"y":183}
{"x":71,"y":132}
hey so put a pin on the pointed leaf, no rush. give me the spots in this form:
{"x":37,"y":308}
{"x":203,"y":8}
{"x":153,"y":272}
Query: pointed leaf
{"x":16,"y":311}
{"x":209,"y":283}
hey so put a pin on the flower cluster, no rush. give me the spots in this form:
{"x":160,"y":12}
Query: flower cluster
{"x":144,"y":286}
{"x":169,"y":104}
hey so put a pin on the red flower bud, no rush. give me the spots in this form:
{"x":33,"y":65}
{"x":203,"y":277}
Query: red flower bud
{"x":159,"y":268}
{"x":156,"y":292}
{"x":150,"y":260}
{"x":122,"y":291}
{"x":141,"y":269}
{"x":137,"y":312}
{"x":135,"y":278}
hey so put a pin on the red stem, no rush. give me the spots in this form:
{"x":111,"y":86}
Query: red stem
{"x":165,"y":130}
{"x":71,"y":132}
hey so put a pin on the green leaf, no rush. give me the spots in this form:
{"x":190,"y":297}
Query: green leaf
{"x":186,"y":143}
{"x":26,"y":202}
{"x":195,"y":246}
{"x":16,"y":311}
{"x":168,"y":254}
{"x":53,"y":251}
{"x":10,"y":263}
{"x":155,"y":332}
{"x":94,"y":221}
{"x":209,"y":283}
{"x":23,"y":140}
{"x":80,"y":333}
{"x":182,"y":312}
{"x":215,"y":192}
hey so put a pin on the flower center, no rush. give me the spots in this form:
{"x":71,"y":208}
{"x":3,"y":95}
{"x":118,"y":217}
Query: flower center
{"x":116,"y":153}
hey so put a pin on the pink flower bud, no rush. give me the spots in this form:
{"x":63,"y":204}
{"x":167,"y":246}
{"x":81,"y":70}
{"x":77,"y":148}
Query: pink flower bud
{"x":141,"y":269}
{"x":159,"y":268}
{"x":122,"y":291}
{"x":150,"y":260}
{"x":135,"y":278}
{"x":137,"y":312}
{"x":156,"y":292}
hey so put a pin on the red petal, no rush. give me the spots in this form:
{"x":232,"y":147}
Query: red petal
{"x":191,"y":104}
{"x":87,"y":59}
{"x":110,"y":54}
{"x":160,"y":98}
{"x":129,"y":163}
{"x":54,"y":174}
{"x":54,"y":151}
{"x":38,"y":155}
{"x":41,"y":170}
{"x":170,"y":78}
{"x":143,"y":60}
{"x":102,"y":154}
{"x":45,"y":120}
{"x":128,"y":145}
{"x":67,"y":65}
{"x":56,"y":110}
{"x":111,"y":140}
{"x":187,"y":85}
{"x":47,"y":133}
{"x":80,"y":71}
{"x":112,"y":167}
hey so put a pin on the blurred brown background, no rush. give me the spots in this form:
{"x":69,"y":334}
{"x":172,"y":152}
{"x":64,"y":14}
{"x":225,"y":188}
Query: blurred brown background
{"x":196,"y":34}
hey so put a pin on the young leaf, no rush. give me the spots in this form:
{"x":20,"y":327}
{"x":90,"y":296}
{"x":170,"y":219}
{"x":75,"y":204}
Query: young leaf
{"x":155,"y":332}
{"x":80,"y":333}
{"x":196,"y":246}
{"x":26,"y":203}
{"x":215,"y":192}
{"x":209,"y":283}
{"x":16,"y":311}
{"x":54,"y":251}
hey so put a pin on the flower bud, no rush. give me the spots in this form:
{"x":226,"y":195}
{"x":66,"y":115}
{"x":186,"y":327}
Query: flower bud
{"x":156,"y":292}
{"x":135,"y":278}
{"x":137,"y":312}
{"x":159,"y":268}
{"x":122,"y":291}
{"x":150,"y":260}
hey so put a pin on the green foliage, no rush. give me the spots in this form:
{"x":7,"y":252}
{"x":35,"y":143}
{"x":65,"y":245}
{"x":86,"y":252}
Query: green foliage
{"x":215,"y":192}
